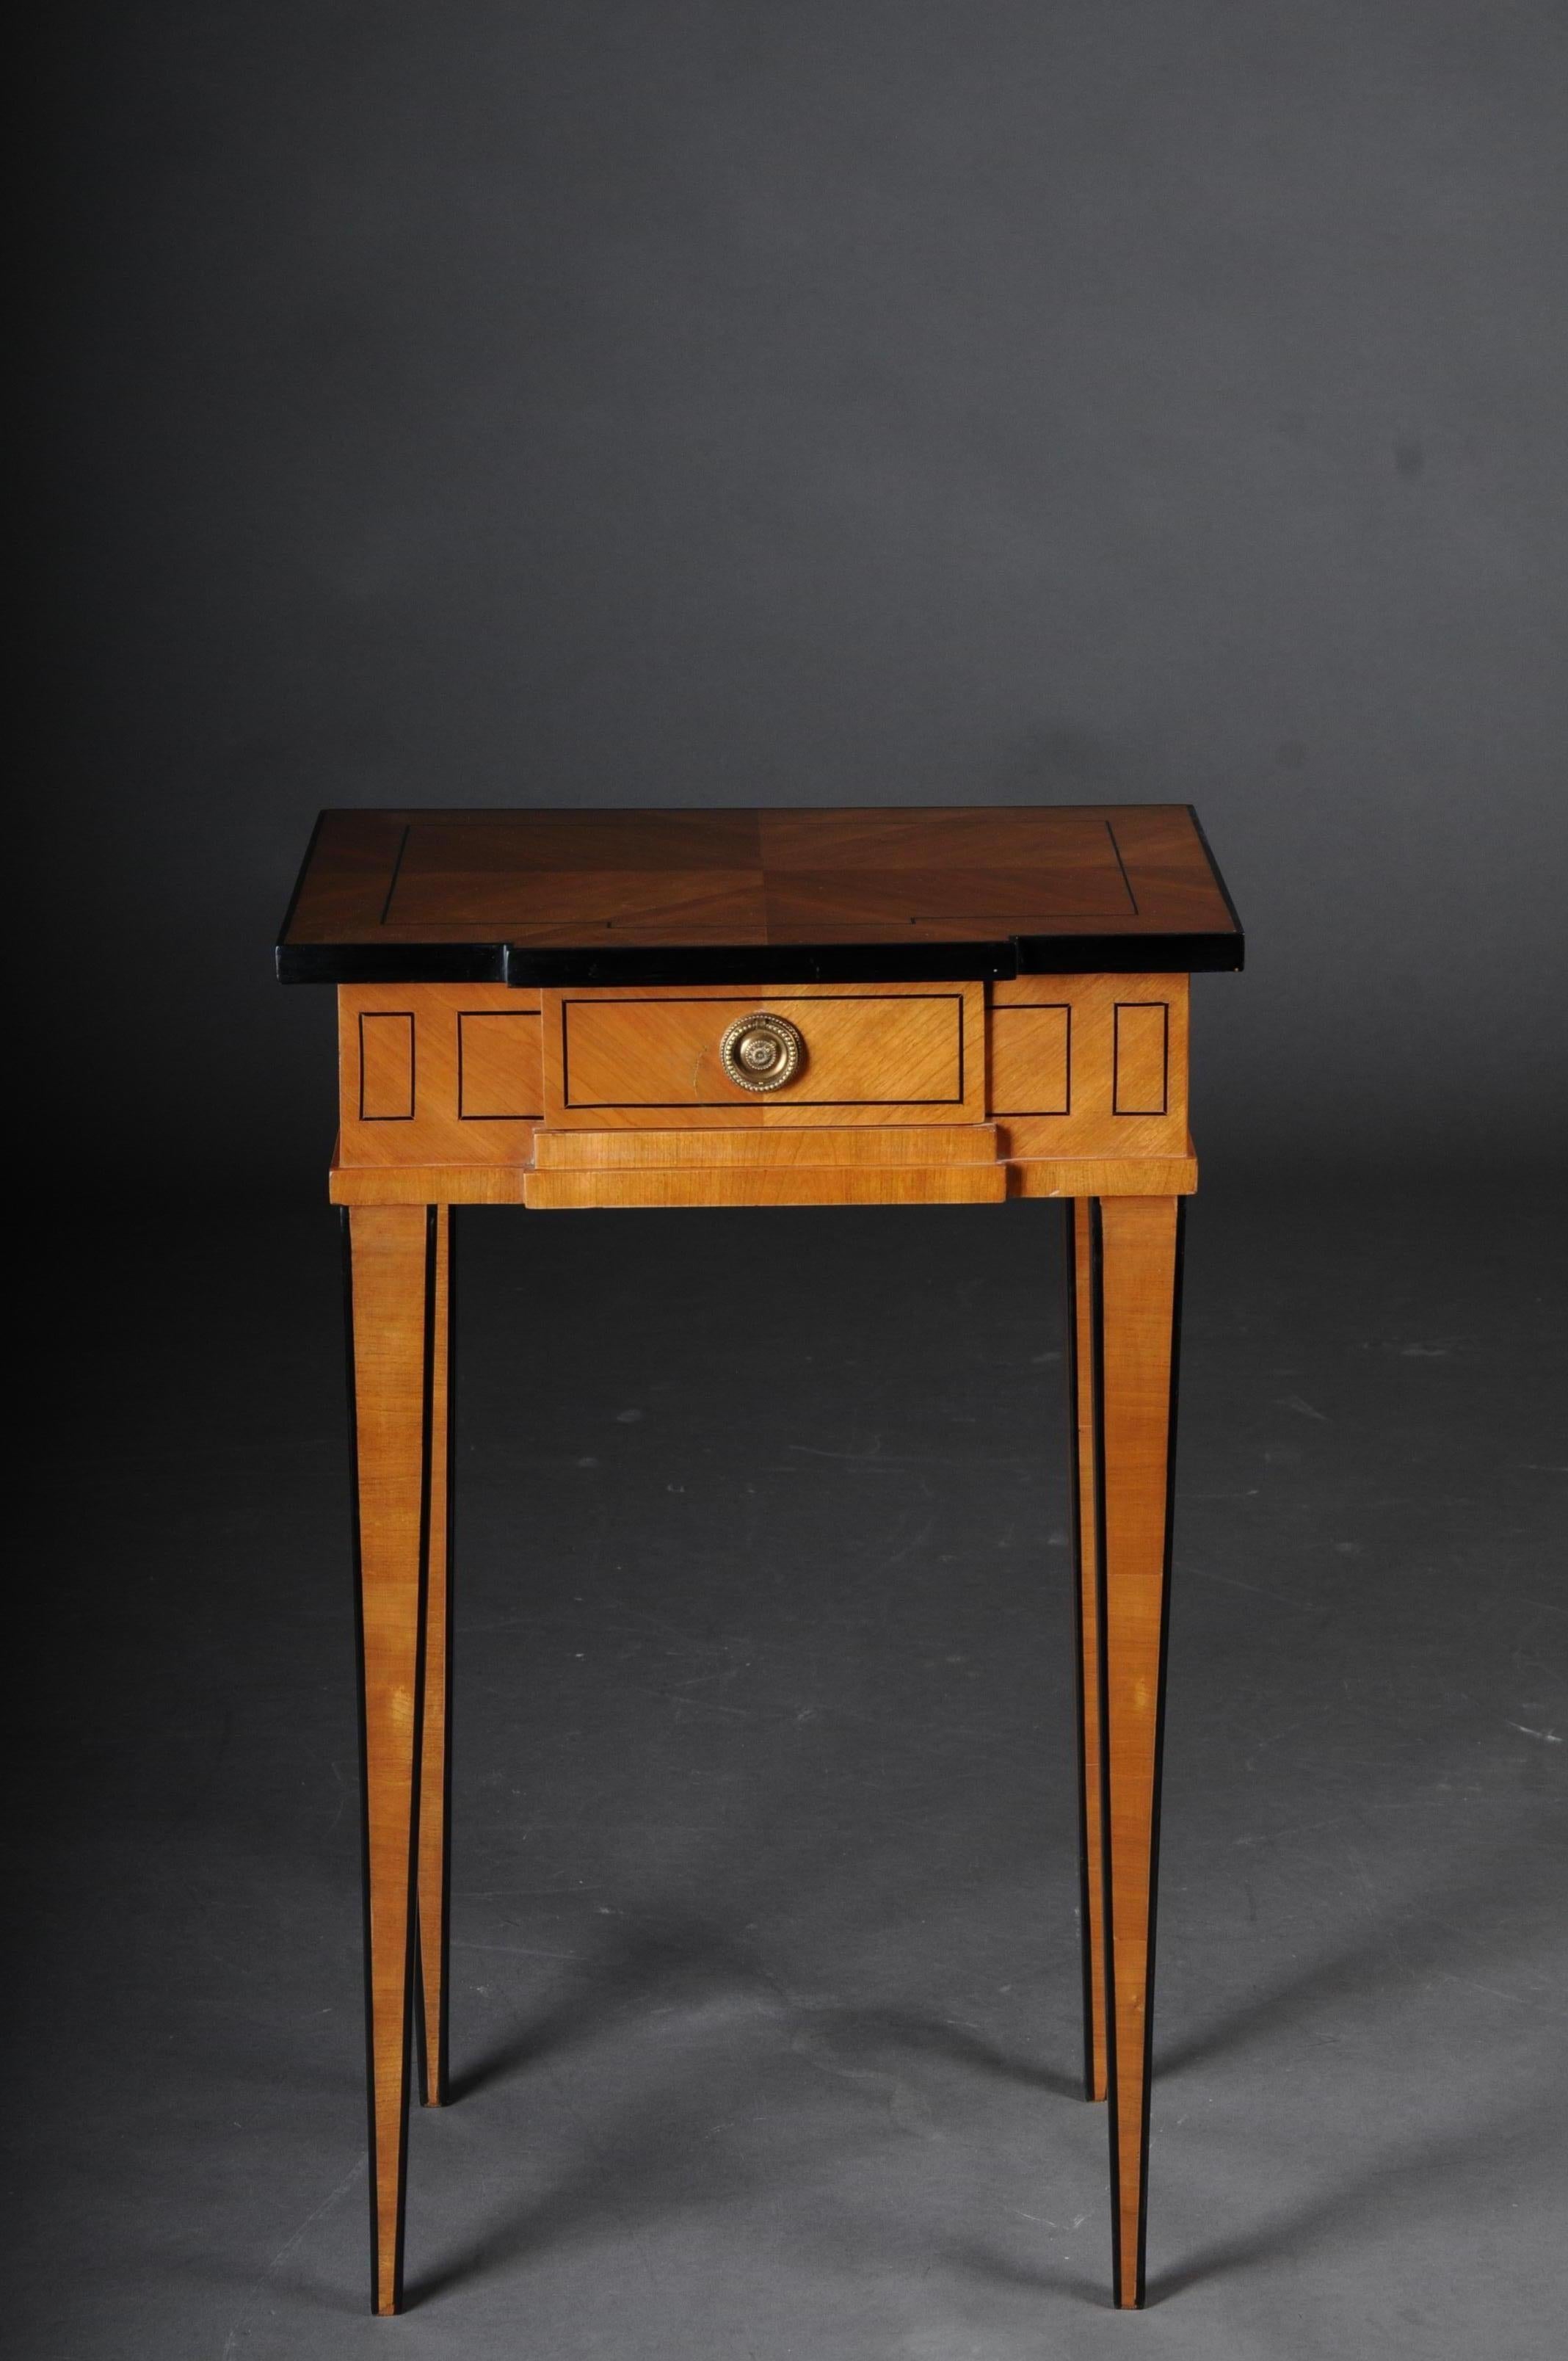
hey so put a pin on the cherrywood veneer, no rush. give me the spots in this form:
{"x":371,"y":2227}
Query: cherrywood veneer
{"x":993,"y":1004}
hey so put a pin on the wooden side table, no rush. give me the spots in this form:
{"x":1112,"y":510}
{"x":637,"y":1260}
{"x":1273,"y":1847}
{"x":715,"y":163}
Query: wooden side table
{"x":844,"y":1007}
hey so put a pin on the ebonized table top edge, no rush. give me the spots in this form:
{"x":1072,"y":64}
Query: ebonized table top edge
{"x":996,"y":959}
{"x":758,"y":964}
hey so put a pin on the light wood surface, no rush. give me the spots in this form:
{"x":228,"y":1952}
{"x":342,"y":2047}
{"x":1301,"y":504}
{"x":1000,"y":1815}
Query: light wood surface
{"x":1070,"y":1085}
{"x":1135,"y":1297}
{"x":773,"y":1184}
{"x":507,"y":1185}
{"x":835,"y":1144}
{"x":426,"y":1184}
{"x":422,"y":1054}
{"x":434,"y":1788}
{"x":1031,"y":1058}
{"x":1094,"y":1176}
{"x":1091,"y":1065}
{"x":993,"y":1003}
{"x":384,"y":1066}
{"x":393,"y":1257}
{"x":437,"y":1074}
{"x":1083,"y":1344}
{"x":874,"y":1054}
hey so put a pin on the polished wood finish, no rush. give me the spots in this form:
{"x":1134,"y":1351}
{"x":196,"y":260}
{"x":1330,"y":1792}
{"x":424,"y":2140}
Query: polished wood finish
{"x":467,"y":1084}
{"x":393,"y":1257}
{"x":384,"y":1066}
{"x":1031,"y":1058}
{"x":786,"y":1185}
{"x":1091,"y":1065}
{"x":1083,"y":1346}
{"x":1101,"y":1175}
{"x":433,"y":1878}
{"x":533,"y":893}
{"x":457,"y":1184}
{"x":1134,"y":1275}
{"x":427,"y":1184}
{"x":897,"y":1053}
{"x":437,"y":1073}
{"x":993,"y":1004}
{"x":833,"y":1144}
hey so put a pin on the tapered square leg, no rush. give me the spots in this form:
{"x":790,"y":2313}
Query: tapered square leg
{"x":392,"y":1253}
{"x":435,"y":1774}
{"x":1081,"y":1362}
{"x":1134,"y":1254}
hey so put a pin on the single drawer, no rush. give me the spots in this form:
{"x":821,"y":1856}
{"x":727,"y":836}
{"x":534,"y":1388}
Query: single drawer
{"x":855,"y":1054}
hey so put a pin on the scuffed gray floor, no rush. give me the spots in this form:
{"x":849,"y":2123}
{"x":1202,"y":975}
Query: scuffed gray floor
{"x":766,"y":1984}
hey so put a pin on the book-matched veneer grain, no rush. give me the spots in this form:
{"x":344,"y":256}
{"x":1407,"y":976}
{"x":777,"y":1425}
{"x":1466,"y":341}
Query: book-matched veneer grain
{"x":593,"y":897}
{"x":471,"y":1084}
{"x":985,"y":1004}
{"x":898,"y":1053}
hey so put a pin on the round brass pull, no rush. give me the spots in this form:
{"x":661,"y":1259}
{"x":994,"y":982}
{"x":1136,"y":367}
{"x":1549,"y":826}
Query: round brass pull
{"x":761,"y":1053}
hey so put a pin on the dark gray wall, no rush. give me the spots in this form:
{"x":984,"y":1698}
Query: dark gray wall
{"x":805,"y":403}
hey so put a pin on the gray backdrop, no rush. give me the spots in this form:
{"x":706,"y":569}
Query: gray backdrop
{"x":799,"y":403}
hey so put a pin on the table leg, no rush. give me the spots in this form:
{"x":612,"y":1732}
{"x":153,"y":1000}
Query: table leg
{"x":435,"y":1771}
{"x":1081,"y":1344}
{"x":392,"y":1252}
{"x":1134,"y":1254}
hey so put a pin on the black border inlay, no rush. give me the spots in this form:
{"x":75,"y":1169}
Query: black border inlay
{"x":435,"y":2075}
{"x":390,"y":1016}
{"x":1102,"y":1683}
{"x":397,"y":869}
{"x":861,"y":999}
{"x":1178,"y":1281}
{"x":1075,"y":1489}
{"x":1126,"y":881}
{"x":411,"y":1967}
{"x":1206,"y":950}
{"x":1164,"y":1107}
{"x":510,"y":1016}
{"x":1097,"y":1243}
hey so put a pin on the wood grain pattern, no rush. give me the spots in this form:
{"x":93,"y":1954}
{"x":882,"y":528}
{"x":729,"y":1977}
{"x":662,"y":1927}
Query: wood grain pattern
{"x":1031,"y":1060}
{"x":1101,"y":1176}
{"x":392,"y":1253}
{"x":434,"y":1877}
{"x":386,"y":1066}
{"x":874,"y":1054}
{"x":499,"y":1073}
{"x":458,"y":1062}
{"x":591,"y":1095}
{"x":1083,"y":1345}
{"x":506,"y":1184}
{"x":1014,"y":878}
{"x":803,"y":1184}
{"x":835,"y":1144}
{"x":1135,"y":1300}
{"x":1114,"y":1066}
{"x":1141,"y":1058}
{"x":426,"y":1184}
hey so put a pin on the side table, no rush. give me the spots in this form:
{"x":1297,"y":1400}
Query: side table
{"x":557,"y":1009}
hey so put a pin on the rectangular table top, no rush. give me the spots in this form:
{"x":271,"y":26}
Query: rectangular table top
{"x":782,"y":896}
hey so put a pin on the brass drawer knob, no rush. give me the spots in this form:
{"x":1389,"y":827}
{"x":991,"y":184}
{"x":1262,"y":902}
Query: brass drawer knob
{"x":761,"y":1053}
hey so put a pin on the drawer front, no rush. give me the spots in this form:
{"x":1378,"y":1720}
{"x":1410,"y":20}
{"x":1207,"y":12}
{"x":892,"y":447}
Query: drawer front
{"x":872,"y":1054}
